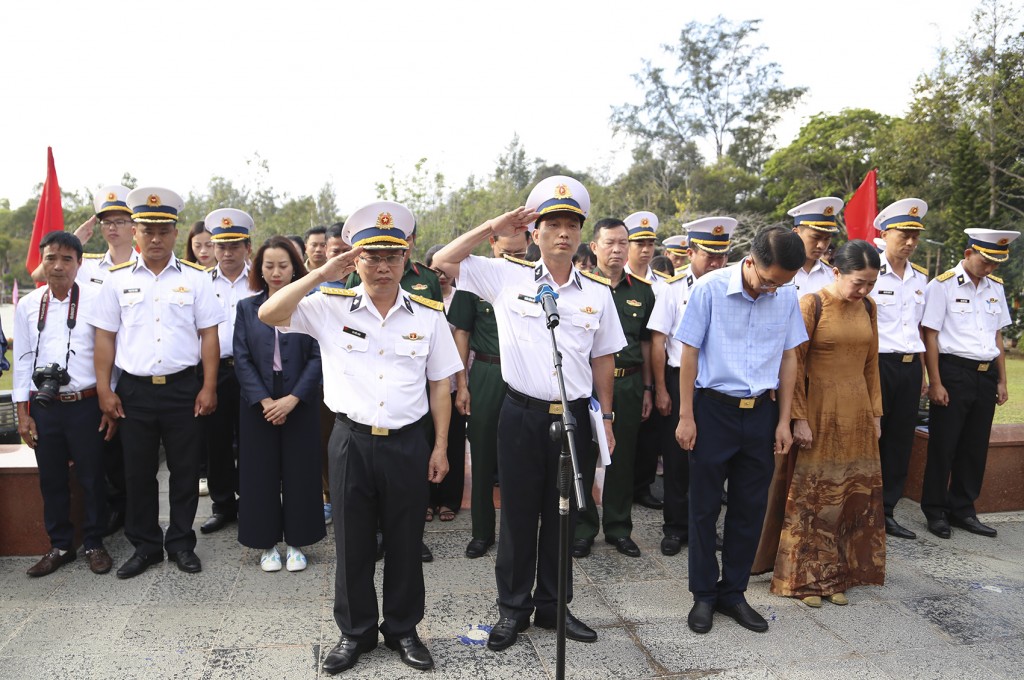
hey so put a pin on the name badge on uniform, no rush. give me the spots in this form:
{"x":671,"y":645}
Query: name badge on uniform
{"x":99,"y":281}
{"x":964,"y":300}
{"x":127,"y":291}
{"x":527,"y":298}
{"x":353,"y":331}
{"x":886,"y":292}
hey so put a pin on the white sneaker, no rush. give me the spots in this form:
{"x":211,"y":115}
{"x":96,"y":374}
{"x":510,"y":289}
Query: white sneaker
{"x":296,"y":560}
{"x":204,"y":488}
{"x":271,"y":560}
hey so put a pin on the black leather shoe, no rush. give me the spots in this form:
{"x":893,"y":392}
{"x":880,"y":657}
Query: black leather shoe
{"x":894,"y":528}
{"x":425,"y":554}
{"x":345,"y":654}
{"x":114,"y":522}
{"x":574,"y":628}
{"x":625,"y":545}
{"x":581,"y":547}
{"x":649,"y":500}
{"x":217,"y":522}
{"x":974,"y":526}
{"x":701,"y":617}
{"x":139,"y":563}
{"x":187,"y":561}
{"x":478,"y":547}
{"x":939,"y":527}
{"x":744,"y":615}
{"x":413,"y":652}
{"x":505,"y":633}
{"x":380,"y":546}
{"x":671,"y":545}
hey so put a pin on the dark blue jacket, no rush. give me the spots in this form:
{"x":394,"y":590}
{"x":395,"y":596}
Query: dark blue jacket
{"x":254,"y":357}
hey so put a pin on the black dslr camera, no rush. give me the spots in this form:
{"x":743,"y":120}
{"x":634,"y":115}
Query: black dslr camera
{"x":48,"y":380}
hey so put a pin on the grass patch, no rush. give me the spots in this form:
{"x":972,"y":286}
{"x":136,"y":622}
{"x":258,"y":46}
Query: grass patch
{"x":7,"y":379}
{"x":1012,"y":412}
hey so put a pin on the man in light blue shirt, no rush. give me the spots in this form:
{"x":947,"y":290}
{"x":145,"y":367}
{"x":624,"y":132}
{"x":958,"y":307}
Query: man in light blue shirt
{"x":740,"y":330}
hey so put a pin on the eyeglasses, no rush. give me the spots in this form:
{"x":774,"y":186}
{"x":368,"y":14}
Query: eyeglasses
{"x":390,"y":260}
{"x":119,"y":224}
{"x":765,"y":284}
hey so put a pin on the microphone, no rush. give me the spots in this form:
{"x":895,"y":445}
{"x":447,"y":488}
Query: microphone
{"x":546,"y":295}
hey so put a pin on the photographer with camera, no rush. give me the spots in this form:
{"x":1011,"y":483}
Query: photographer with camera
{"x":58,"y":413}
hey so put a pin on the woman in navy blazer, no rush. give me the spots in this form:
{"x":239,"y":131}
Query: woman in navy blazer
{"x":279,"y":440}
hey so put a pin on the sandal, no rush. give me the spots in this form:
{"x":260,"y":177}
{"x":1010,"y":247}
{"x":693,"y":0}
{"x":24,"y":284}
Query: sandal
{"x":445,"y":514}
{"x":430,"y":514}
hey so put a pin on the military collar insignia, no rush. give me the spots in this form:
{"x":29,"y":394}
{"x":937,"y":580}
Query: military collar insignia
{"x":884,"y":269}
{"x":357,"y":302}
{"x":961,"y":280}
{"x":689,"y":280}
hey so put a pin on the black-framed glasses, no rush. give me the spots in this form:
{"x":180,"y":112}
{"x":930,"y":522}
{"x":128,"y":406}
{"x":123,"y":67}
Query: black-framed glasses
{"x":391,"y":260}
{"x":767,"y":284}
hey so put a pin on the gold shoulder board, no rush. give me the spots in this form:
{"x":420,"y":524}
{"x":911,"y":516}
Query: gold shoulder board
{"x":643,"y":280}
{"x":129,"y":263}
{"x":93,"y":256}
{"x":427,"y":302}
{"x":334,"y":290}
{"x":525,"y":263}
{"x":193,"y":265}
{"x":996,"y":279}
{"x":919,"y":268}
{"x":599,"y":279}
{"x":946,"y":275}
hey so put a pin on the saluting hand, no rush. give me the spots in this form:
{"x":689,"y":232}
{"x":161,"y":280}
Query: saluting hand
{"x":340,"y":266}
{"x":513,"y":222}
{"x":84,"y":232}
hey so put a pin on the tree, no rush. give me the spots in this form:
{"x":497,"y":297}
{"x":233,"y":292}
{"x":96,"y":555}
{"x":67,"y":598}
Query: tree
{"x":720,"y":90}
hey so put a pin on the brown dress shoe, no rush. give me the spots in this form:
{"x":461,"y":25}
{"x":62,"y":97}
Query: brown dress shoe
{"x":50,"y":562}
{"x":99,"y":560}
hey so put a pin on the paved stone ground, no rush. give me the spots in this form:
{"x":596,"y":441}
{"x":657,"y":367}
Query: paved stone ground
{"x":949,"y":609}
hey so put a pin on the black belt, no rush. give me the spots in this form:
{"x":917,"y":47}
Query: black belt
{"x":895,"y":357}
{"x":228,"y":362}
{"x":553,"y":408}
{"x":161,"y":379}
{"x":972,"y":364}
{"x":487,"y":358}
{"x":377,"y":431}
{"x":625,"y":372}
{"x":67,"y":397}
{"x":739,"y":402}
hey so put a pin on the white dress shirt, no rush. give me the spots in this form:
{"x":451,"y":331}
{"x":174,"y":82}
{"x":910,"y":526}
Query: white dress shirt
{"x":966,"y":316}
{"x":94,"y":270}
{"x":900,"y":305}
{"x":376,"y":368}
{"x":589,"y":325}
{"x":668,"y":313}
{"x":228,"y":294}
{"x":808,"y":282}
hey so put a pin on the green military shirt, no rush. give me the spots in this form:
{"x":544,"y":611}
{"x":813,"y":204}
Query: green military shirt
{"x":476,"y":315}
{"x":634,"y":301}
{"x":417,"y":279}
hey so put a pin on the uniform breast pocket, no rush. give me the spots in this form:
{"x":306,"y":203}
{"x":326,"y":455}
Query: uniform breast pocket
{"x":990,"y":317}
{"x":961,"y":307}
{"x":584,"y":327}
{"x":411,"y":355}
{"x":527,"y":321}
{"x":132,"y":310}
{"x":181,"y":307}
{"x":354,"y":350}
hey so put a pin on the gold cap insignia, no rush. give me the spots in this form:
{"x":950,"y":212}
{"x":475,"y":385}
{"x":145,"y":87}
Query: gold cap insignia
{"x":153,"y":199}
{"x":914,"y":211}
{"x":226,"y":222}
{"x":111,"y":196}
{"x":718,"y":231}
{"x":562,"y":191}
{"x":645,"y":222}
{"x":1003,"y":241}
{"x":829,"y":210}
{"x":384,"y":220}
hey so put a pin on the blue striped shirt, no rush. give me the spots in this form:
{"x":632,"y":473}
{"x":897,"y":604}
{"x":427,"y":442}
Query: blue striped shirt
{"x":741,"y":339}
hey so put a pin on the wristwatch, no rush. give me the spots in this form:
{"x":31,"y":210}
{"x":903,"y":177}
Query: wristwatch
{"x":609,"y":416}
{"x":648,"y":388}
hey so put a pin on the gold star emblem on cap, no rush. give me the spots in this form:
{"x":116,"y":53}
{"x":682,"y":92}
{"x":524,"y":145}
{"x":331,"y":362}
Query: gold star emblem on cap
{"x":645,"y":222}
{"x":718,"y":231}
{"x":153,"y":199}
{"x":226,"y":222}
{"x":111,"y":196}
{"x":384,"y":220}
{"x":829,"y":210}
{"x":1003,"y":241}
{"x":562,"y":191}
{"x":914,"y":211}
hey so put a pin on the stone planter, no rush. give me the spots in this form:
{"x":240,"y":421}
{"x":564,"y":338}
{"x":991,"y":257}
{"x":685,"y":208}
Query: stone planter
{"x":1003,"y":489}
{"x":22,"y":531}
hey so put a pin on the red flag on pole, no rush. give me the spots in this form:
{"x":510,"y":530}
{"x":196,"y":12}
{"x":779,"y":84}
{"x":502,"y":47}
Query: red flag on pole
{"x":49,"y":214}
{"x":860,"y":212}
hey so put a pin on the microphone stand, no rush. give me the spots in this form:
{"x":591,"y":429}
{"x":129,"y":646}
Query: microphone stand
{"x":568,"y":474}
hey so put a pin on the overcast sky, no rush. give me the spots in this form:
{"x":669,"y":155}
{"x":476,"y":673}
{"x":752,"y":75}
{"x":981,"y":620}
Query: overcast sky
{"x":177,"y":92}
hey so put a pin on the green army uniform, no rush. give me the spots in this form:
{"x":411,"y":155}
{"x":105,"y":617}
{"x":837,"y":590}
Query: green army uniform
{"x":634,"y":301}
{"x":487,"y":391}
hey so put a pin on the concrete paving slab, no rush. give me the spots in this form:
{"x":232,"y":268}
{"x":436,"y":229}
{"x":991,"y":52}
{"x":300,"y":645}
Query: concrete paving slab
{"x":149,"y":664}
{"x":614,"y":655}
{"x":270,"y":625}
{"x":935,"y":664}
{"x":264,"y":663}
{"x":173,"y":628}
{"x":57,"y":631}
{"x":850,"y":667}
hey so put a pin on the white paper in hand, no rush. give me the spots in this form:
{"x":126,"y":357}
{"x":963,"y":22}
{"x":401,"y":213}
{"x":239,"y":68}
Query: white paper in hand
{"x":597,"y":427}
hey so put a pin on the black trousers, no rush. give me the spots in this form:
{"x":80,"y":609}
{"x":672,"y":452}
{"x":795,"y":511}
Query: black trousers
{"x":648,"y":448}
{"x":155,"y":413}
{"x":528,"y":467}
{"x":279,"y":477}
{"x":738,"y":445}
{"x":450,"y":491}
{"x":958,"y":441}
{"x":901,"y":394}
{"x":113,"y":465}
{"x":220,"y":434}
{"x":676,"y":511}
{"x":69,"y":431}
{"x":378,"y":480}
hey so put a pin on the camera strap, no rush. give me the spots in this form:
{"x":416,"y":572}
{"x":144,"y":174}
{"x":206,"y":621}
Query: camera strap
{"x":44,"y":308}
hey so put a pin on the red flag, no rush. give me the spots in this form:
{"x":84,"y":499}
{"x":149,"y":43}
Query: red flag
{"x":49,"y":214}
{"x":860,"y":212}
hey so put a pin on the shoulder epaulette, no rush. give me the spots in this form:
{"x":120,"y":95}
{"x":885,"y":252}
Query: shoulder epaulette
{"x":996,"y":279}
{"x":427,"y":302}
{"x":919,"y":268}
{"x":93,"y":256}
{"x":661,"y":274}
{"x":525,"y":263}
{"x":193,"y":265}
{"x":673,"y":279}
{"x":595,"y":277}
{"x":641,"y":279}
{"x":334,"y":290}
{"x":946,"y":275}
{"x":129,"y":263}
